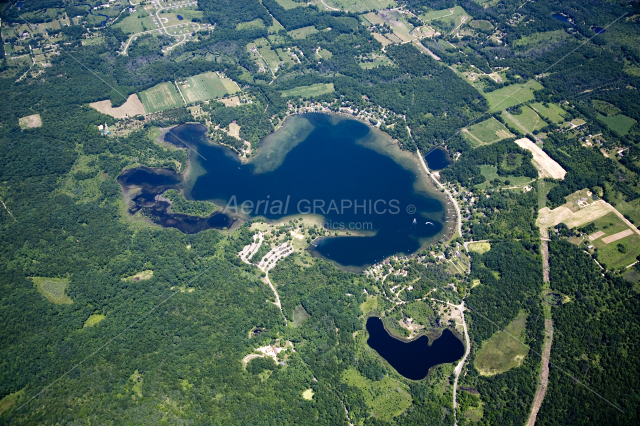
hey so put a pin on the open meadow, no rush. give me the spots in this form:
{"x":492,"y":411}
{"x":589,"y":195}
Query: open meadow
{"x":553,"y":112}
{"x":308,"y":91}
{"x":619,"y":123}
{"x":54,"y":289}
{"x":509,"y":96}
{"x":487,"y":132}
{"x":504,"y":350}
{"x":387,"y":398}
{"x":527,"y":121}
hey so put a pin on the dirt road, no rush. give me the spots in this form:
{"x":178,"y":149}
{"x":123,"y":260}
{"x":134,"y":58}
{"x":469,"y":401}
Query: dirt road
{"x":548,"y":339}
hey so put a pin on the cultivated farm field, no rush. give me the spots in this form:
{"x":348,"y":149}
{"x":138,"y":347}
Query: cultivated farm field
{"x":161,"y":97}
{"x":206,"y":86}
{"x":359,"y":6}
{"x":619,"y":123}
{"x":553,"y":112}
{"x":527,"y":121}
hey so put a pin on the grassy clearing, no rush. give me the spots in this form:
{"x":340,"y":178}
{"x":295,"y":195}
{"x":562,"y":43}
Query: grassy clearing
{"x":527,"y":121}
{"x":513,"y":95}
{"x":502,"y":352}
{"x":480,"y":248}
{"x":256,"y":23}
{"x":619,"y":123}
{"x":299,"y":316}
{"x":30,"y":121}
{"x":481,"y":24}
{"x":8,"y":401}
{"x":369,"y":305}
{"x":137,"y":22}
{"x":309,"y":91}
{"x":161,"y":97}
{"x":375,"y":62}
{"x":140,"y":276}
{"x":93,"y":320}
{"x":359,"y":6}
{"x":444,"y":15}
{"x":303,"y":32}
{"x":387,"y":398}
{"x":308,"y":394}
{"x":54,"y":289}
{"x":289,"y":4}
{"x":553,"y":112}
{"x":487,"y":132}
{"x":537,"y":39}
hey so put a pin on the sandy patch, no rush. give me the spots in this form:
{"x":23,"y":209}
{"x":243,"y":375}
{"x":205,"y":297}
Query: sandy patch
{"x":382,"y":39}
{"x":595,"y":235}
{"x":547,"y":167}
{"x":132,"y":107}
{"x":30,"y":121}
{"x":234,"y":130}
{"x":230,"y":102}
{"x":618,"y":236}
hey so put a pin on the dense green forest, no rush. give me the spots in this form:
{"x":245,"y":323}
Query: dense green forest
{"x":594,"y":345}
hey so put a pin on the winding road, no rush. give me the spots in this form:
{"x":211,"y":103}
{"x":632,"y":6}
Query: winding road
{"x":458,"y":368}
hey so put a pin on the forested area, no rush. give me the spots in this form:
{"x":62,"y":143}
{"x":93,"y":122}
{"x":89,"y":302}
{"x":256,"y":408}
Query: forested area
{"x":594,"y":372}
{"x":510,"y":281}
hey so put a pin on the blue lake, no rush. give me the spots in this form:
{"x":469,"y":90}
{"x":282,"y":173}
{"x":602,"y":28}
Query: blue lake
{"x":348,"y":176}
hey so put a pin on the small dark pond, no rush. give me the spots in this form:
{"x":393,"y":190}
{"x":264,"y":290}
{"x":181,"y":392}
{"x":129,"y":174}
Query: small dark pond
{"x":598,"y":30}
{"x":438,"y":159}
{"x":180,"y":18}
{"x":414,"y":359}
{"x":561,"y":17}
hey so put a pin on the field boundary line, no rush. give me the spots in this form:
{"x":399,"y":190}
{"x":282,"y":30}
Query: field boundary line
{"x":179,"y":91}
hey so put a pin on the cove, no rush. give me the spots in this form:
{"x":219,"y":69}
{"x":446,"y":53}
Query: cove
{"x":413,"y":359}
{"x":349,"y":176}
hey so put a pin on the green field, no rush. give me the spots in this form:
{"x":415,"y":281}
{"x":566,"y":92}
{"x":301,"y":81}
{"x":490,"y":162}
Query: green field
{"x":481,"y":24}
{"x":303,"y":32}
{"x":553,"y":112}
{"x":137,"y":22}
{"x":487,"y":132}
{"x":504,"y":350}
{"x":323,"y":54}
{"x":161,"y":97}
{"x":206,"y":86}
{"x":443,"y":15}
{"x":375,"y":62}
{"x":308,"y":91}
{"x":387,"y":398}
{"x":536,"y":39}
{"x":54,"y":289}
{"x":509,"y":96}
{"x":620,"y":123}
{"x":289,"y":4}
{"x":527,"y":121}
{"x":480,"y":248}
{"x":93,"y":320}
{"x":371,"y":304}
{"x":358,"y":6}
{"x":256,"y":23}
{"x":299,"y":315}
{"x":611,"y":254}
